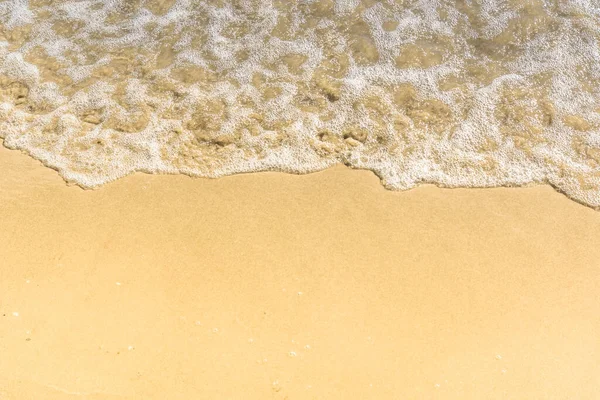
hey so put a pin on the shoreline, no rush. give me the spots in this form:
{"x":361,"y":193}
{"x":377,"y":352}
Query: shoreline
{"x":425,"y":184}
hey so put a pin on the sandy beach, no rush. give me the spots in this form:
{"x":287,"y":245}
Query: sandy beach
{"x":343,"y":278}
{"x":277,"y":286}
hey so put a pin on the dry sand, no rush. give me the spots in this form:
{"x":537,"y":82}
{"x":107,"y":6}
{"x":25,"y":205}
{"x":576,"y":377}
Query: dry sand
{"x":275,"y":286}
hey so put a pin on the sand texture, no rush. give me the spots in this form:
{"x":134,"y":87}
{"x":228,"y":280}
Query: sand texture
{"x":276,"y":286}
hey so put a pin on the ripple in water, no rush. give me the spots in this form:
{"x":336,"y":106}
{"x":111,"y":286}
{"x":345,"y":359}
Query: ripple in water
{"x":452,"y":92}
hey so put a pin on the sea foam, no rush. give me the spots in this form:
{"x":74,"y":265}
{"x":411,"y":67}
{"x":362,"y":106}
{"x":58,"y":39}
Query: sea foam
{"x":456,"y":93}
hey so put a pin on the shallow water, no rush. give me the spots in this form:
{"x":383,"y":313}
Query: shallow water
{"x":458,"y":93}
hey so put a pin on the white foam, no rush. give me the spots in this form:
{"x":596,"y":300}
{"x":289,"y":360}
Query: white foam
{"x":519,"y":145}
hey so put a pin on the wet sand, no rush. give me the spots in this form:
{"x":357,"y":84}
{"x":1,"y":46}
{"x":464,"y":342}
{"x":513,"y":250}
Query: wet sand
{"x":275,"y":286}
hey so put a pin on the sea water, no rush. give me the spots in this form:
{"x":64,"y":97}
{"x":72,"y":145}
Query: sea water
{"x":458,"y":93}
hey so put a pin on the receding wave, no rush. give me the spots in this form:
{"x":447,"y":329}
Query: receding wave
{"x":452,"y":92}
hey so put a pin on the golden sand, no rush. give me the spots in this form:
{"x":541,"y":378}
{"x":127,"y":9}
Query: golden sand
{"x":275,"y":286}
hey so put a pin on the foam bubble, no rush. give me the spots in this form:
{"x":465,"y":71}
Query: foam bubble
{"x":488,"y":94}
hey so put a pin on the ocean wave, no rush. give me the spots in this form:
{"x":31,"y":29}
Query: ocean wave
{"x":457,"y":93}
